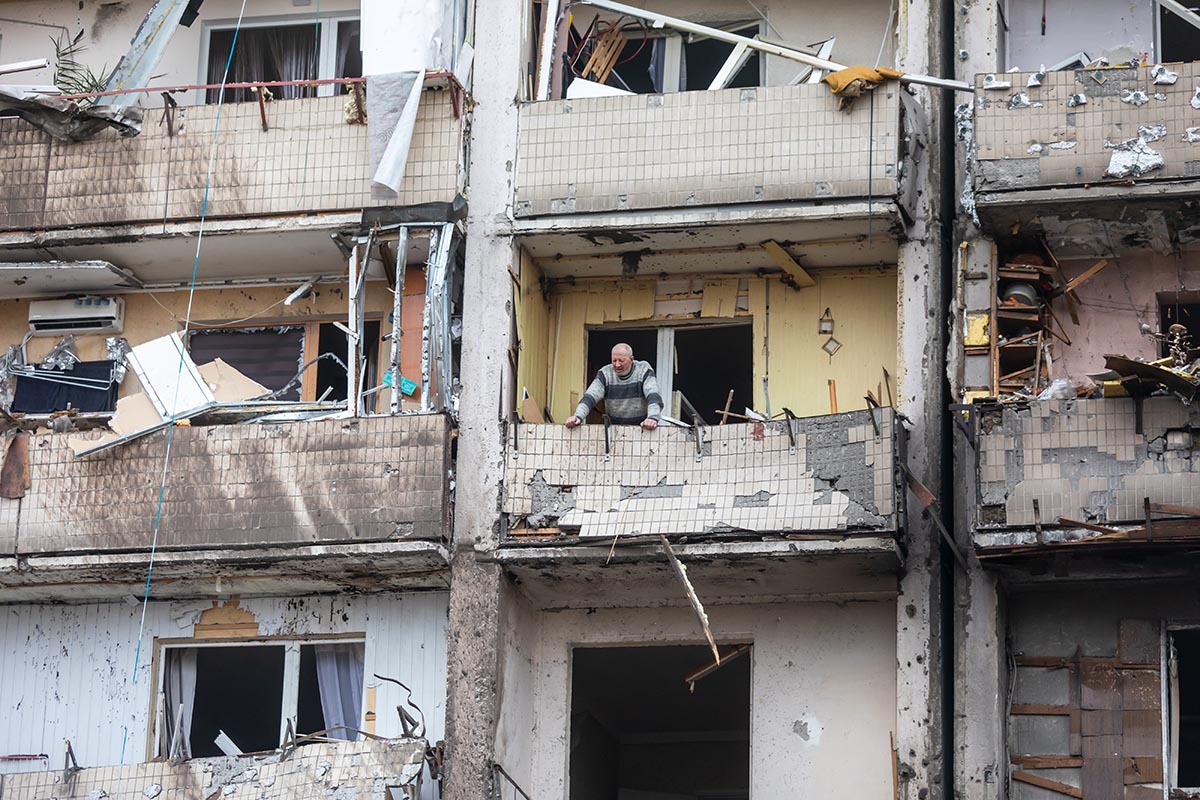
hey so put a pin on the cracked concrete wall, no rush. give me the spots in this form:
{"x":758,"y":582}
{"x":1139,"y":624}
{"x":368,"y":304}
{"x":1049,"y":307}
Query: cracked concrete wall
{"x":70,"y":668}
{"x":381,"y":478}
{"x":309,"y":160}
{"x":1084,"y":460}
{"x":786,"y":143}
{"x":1049,"y":141}
{"x":808,"y":660}
{"x":323,"y":771}
{"x":840,"y":477}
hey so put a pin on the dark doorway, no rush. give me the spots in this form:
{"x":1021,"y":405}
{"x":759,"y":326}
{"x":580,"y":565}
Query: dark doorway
{"x":331,"y":372}
{"x":1180,"y":41}
{"x":637,"y":731}
{"x":711,"y":361}
{"x":1187,"y":652}
{"x":600,"y":343}
{"x":239,"y":690}
{"x":1185,"y":314}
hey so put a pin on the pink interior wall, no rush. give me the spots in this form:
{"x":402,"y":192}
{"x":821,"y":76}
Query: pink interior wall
{"x":1108,"y":322}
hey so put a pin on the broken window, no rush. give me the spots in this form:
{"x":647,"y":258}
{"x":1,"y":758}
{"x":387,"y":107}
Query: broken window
{"x":1179,"y":41}
{"x":274,"y":356}
{"x":1185,"y":709}
{"x":251,"y":691}
{"x":305,"y":51}
{"x":696,"y":365}
{"x":639,"y":729}
{"x":629,"y":55}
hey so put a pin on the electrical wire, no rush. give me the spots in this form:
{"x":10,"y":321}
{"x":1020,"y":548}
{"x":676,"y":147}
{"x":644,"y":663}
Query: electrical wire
{"x":224,"y":324}
{"x":162,"y":488}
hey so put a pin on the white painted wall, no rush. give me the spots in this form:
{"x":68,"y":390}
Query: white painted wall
{"x":1095,"y":27}
{"x":819,"y":670}
{"x":109,"y":27}
{"x":67,"y":669}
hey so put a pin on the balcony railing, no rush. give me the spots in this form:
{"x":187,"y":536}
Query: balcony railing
{"x":310,"y":158}
{"x":373,"y":479}
{"x":763,"y":145}
{"x":1086,"y":470}
{"x":834,"y":474}
{"x":1085,"y":126}
{"x":366,"y":769}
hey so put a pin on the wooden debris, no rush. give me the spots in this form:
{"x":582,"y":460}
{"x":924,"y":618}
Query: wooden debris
{"x":697,"y":606}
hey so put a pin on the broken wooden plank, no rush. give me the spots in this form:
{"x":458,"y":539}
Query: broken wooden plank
{"x":697,"y":606}
{"x":1046,"y":783}
{"x":1039,"y":710}
{"x":1047,"y":762}
{"x":1085,"y":276}
{"x":14,"y":475}
{"x":788,"y":264}
{"x":708,"y":669}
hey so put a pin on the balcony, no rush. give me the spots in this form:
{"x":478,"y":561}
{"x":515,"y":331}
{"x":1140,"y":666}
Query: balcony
{"x":1038,"y":159}
{"x":751,"y":492}
{"x":763,"y":145}
{"x":1071,"y":476}
{"x":341,"y":500}
{"x":310,"y":159}
{"x":378,"y":768}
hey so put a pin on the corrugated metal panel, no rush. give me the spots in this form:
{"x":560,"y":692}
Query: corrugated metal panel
{"x":67,"y":668}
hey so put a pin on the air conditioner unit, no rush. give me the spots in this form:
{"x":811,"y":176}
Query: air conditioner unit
{"x":79,"y":315}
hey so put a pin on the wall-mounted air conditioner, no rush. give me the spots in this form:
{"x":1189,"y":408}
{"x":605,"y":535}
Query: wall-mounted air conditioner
{"x":81,"y":315}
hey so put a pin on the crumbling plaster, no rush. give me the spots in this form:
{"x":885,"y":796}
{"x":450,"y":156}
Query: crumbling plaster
{"x":807,"y":658}
{"x":71,"y":667}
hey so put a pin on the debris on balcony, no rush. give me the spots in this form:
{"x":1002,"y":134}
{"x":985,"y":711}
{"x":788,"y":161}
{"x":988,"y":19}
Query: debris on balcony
{"x":374,"y":769}
{"x":68,"y":120}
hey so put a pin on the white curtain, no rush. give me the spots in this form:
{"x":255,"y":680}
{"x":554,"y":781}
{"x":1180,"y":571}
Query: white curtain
{"x":340,"y":679}
{"x":179,"y":687}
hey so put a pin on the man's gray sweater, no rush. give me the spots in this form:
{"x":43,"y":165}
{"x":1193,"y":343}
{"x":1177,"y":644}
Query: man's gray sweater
{"x":627,"y":400}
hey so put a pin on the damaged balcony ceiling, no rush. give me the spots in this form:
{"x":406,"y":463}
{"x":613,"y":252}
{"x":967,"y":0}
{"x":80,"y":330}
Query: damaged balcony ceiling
{"x":42,"y":278}
{"x":681,"y":244}
{"x":577,"y":577}
{"x":275,"y":256}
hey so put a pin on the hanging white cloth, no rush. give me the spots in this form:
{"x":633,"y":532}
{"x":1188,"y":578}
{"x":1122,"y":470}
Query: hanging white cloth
{"x":340,"y":679}
{"x":179,"y":688}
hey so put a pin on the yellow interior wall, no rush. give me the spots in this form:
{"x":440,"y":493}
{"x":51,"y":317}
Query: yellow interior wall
{"x":573,"y":308}
{"x":146,"y":319}
{"x":533,"y":332}
{"x":787,"y":347}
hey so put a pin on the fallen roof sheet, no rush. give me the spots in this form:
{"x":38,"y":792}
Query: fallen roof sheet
{"x":67,"y":120}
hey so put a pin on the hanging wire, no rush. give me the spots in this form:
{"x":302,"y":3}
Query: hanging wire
{"x":162,"y":487}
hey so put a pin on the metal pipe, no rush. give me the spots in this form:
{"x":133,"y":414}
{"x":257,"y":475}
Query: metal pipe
{"x":447,"y":318}
{"x":660,"y":20}
{"x":397,"y":311}
{"x":24,"y":66}
{"x":427,"y":321}
{"x":352,"y":338}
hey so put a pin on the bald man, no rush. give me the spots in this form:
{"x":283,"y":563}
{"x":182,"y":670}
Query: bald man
{"x":629,"y":391}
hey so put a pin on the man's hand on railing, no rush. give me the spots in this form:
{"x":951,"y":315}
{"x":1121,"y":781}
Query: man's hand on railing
{"x":573,"y":421}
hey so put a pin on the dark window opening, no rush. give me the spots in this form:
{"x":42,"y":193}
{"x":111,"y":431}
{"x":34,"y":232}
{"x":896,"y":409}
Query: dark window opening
{"x":309,"y":716}
{"x":278,"y":53}
{"x":349,"y":51}
{"x":703,"y":60}
{"x":637,"y":731}
{"x":1185,"y":314}
{"x":1187,"y":653}
{"x":709,"y":362}
{"x":1180,"y":41}
{"x":239,"y":690}
{"x":270,"y":356}
{"x":644,"y":342}
{"x":331,"y":373}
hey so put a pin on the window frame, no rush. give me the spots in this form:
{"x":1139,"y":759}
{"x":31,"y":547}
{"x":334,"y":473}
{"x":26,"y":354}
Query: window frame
{"x":326,"y":51}
{"x":1170,"y":703}
{"x":291,"y":676}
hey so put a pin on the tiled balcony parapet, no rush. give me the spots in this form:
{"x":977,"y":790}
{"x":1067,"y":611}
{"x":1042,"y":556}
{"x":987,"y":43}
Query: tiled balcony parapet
{"x":836,"y":474}
{"x":1082,"y":460}
{"x":310,"y":159}
{"x":363,"y":770}
{"x":316,"y":482}
{"x":769,"y":144}
{"x":1048,"y":143}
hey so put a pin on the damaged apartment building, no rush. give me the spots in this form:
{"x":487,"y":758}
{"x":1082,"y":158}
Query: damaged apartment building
{"x":1074,"y":328}
{"x":294,"y":300}
{"x":230,"y":325}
